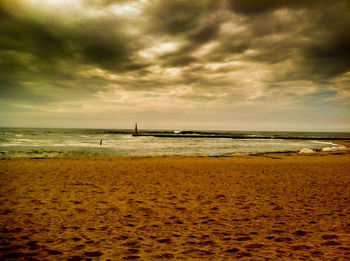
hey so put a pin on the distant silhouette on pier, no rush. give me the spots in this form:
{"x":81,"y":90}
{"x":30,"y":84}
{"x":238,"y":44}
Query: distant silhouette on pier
{"x":136,"y":131}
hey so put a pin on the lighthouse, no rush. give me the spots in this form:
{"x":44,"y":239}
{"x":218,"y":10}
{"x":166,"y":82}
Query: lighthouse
{"x":135,"y":131}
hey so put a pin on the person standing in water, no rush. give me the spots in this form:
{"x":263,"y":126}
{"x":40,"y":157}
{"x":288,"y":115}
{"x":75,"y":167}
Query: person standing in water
{"x":101,"y":142}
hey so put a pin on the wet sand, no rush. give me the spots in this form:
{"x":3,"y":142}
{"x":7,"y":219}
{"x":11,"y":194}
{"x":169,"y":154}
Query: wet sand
{"x":257,"y":207}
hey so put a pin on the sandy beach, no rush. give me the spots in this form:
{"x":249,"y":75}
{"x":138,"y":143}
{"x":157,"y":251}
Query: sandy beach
{"x":284,"y":206}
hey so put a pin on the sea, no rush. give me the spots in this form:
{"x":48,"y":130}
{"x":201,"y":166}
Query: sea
{"x":57,"y":142}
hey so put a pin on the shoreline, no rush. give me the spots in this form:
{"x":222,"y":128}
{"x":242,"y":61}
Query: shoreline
{"x":344,"y":151}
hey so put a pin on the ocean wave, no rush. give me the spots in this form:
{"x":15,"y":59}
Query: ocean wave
{"x":334,"y":148}
{"x":306,"y":150}
{"x":23,"y":140}
{"x":84,"y":143}
{"x":325,"y":142}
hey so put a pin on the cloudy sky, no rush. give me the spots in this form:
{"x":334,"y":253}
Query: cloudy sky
{"x":176,"y":64}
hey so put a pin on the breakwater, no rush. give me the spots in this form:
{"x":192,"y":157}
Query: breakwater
{"x":233,"y":137}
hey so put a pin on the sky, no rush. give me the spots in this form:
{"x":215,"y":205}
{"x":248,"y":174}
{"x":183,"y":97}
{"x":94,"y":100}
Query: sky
{"x":204,"y":65}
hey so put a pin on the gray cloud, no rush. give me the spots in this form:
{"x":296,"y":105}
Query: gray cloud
{"x":39,"y":51}
{"x":176,"y":17}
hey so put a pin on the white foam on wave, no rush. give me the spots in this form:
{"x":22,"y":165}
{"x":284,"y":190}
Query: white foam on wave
{"x":325,"y":142}
{"x":334,"y":148}
{"x":305,"y":150}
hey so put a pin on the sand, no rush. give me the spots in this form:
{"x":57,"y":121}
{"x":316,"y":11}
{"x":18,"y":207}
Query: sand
{"x":257,"y":207}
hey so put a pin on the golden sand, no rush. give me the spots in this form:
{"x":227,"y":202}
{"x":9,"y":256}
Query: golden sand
{"x":264,"y":207}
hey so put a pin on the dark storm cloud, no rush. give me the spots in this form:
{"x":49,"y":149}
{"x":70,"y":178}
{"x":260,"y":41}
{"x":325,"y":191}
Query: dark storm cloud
{"x":330,"y":52}
{"x":306,"y":35}
{"x":102,"y":44}
{"x":253,"y":7}
{"x":36,"y":50}
{"x":196,"y":22}
{"x":177,"y":17}
{"x":22,"y":36}
{"x":93,"y":40}
{"x":315,"y":35}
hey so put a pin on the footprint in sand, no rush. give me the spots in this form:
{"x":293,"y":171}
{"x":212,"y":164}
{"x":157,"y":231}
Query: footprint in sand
{"x":122,"y":237}
{"x":54,"y":252}
{"x":93,"y":254}
{"x":81,"y":210}
{"x":207,"y":243}
{"x":253,"y":246}
{"x":278,"y":231}
{"x":165,"y":240}
{"x":13,"y":255}
{"x":33,"y":245}
{"x":283,"y":239}
{"x":244,"y":254}
{"x":75,"y":258}
{"x":243,"y":238}
{"x":300,"y":233}
{"x":132,"y":251}
{"x":328,"y":237}
{"x":79,"y":247}
{"x":198,"y":252}
{"x":300,"y":247}
{"x":232,"y":250}
{"x":316,"y":253}
{"x":131,"y":244}
{"x":331,"y":243}
{"x":131,"y":257}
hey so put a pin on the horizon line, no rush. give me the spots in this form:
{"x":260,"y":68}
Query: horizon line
{"x":173,"y":129}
